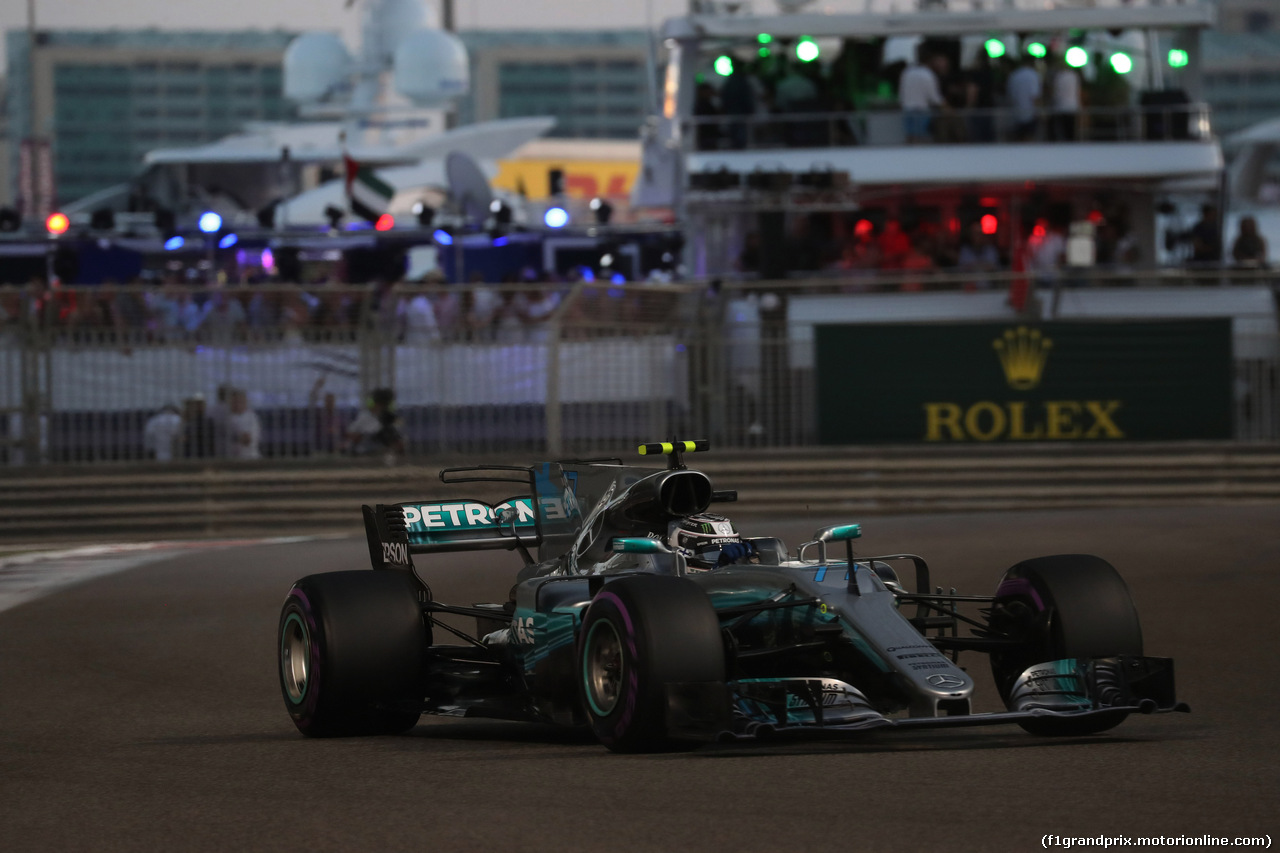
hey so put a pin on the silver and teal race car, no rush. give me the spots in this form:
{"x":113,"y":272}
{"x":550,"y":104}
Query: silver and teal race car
{"x":620,"y":620}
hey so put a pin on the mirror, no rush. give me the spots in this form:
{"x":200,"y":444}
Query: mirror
{"x":628,"y":545}
{"x":838,"y":533}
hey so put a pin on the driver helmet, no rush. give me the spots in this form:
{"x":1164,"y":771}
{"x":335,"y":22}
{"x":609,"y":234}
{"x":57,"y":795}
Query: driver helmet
{"x":701,"y":537}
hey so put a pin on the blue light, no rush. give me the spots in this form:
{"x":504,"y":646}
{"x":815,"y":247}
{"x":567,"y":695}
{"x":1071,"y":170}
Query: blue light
{"x":443,"y":237}
{"x":501,"y":241}
{"x":228,"y":241}
{"x":588,"y":275}
{"x":618,"y":278}
{"x":210,"y":222}
{"x":556,"y":217}
{"x":173,"y":243}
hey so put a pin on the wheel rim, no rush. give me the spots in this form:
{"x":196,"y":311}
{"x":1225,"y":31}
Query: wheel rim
{"x":603,"y":667}
{"x":295,"y":658}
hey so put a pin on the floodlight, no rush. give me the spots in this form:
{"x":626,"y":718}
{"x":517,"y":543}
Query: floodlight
{"x":209,"y":222}
{"x":556,"y":217}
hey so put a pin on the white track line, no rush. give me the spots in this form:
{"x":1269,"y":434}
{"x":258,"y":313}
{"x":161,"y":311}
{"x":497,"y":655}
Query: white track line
{"x":25,"y":577}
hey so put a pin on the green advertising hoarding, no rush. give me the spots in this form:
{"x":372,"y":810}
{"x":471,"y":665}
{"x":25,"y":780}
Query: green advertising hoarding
{"x":1076,"y":381}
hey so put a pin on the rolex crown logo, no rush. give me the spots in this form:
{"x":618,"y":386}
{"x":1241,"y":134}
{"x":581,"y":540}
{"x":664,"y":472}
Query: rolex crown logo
{"x":1023,"y":353}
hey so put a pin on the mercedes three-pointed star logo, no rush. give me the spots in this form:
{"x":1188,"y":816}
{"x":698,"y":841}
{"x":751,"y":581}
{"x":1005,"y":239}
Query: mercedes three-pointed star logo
{"x":942,"y":679}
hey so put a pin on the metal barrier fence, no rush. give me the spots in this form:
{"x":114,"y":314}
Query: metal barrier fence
{"x":874,"y":127}
{"x":578,"y":369}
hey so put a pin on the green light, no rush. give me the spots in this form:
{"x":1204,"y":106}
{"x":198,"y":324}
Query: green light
{"x":723,"y":65}
{"x":1178,"y":58}
{"x":1077,"y":57}
{"x":1038,"y":50}
{"x":1121,"y":63}
{"x":995,"y":48}
{"x":764,"y":52}
{"x":764,"y":38}
{"x":806,"y":49}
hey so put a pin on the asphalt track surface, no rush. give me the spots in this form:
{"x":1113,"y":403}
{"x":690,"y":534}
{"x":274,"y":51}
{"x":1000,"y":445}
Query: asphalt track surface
{"x":142,"y":711}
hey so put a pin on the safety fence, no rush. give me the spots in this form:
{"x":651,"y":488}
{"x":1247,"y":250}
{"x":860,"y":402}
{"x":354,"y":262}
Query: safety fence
{"x":583,"y":369}
{"x":809,"y":128}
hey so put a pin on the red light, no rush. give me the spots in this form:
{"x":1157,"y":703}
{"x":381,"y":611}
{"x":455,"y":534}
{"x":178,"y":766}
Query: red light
{"x":1095,"y":216}
{"x":953,"y":224}
{"x":1039,"y":231}
{"x":989,"y":224}
{"x":57,"y":223}
{"x":989,"y":201}
{"x":385,"y":222}
{"x":863,"y":227}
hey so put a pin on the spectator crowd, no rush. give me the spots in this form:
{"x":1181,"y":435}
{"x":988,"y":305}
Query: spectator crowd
{"x":774,"y":98}
{"x":229,"y":428}
{"x":513,"y":311}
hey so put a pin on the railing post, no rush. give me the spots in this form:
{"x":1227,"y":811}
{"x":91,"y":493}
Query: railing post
{"x":709,"y":378}
{"x":34,"y":352}
{"x":552,"y":411}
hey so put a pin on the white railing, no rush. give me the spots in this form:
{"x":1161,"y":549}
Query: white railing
{"x":887,"y":127}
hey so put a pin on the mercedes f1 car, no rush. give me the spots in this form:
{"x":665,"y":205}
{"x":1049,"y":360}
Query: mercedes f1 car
{"x":614,"y":623}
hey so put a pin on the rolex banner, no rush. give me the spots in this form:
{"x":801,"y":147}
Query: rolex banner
{"x":1088,"y":381}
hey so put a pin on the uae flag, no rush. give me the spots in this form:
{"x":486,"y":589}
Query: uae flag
{"x":367,"y":194}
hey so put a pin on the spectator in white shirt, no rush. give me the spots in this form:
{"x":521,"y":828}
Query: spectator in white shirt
{"x":1066,"y":103}
{"x":419,"y":318}
{"x":243,"y":428}
{"x":1023,"y":91}
{"x":918,"y":93}
{"x":538,"y":310}
{"x":376,"y":429}
{"x":481,"y":311}
{"x":1046,"y":252}
{"x":163,"y":433}
{"x":222,"y":315}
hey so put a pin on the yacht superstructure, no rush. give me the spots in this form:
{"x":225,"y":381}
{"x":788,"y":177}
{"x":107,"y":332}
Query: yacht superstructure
{"x":765,"y":118}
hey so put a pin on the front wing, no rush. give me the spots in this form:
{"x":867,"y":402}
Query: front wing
{"x":1065,"y":689}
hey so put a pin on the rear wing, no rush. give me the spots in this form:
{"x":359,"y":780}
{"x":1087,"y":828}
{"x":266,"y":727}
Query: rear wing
{"x":395,"y":532}
{"x":557,"y":499}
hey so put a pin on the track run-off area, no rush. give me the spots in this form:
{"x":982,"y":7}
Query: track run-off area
{"x":140,"y":710}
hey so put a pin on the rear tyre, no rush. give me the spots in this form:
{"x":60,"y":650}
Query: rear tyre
{"x":1066,"y":606}
{"x":352,"y":649}
{"x":639,"y":634}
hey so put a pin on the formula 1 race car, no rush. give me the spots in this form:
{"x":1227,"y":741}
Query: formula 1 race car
{"x":650,"y":620}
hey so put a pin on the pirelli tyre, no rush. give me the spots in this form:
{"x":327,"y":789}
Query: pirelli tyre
{"x":352,"y":649}
{"x":640,"y":634}
{"x":1065,"y":606}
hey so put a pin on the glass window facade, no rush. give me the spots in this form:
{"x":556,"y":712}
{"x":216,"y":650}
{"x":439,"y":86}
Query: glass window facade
{"x":1241,"y":78}
{"x":121,"y":93}
{"x":106,"y":117}
{"x":591,"y":81}
{"x":588,"y":98}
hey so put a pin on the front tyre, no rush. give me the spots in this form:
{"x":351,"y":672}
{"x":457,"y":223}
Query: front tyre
{"x":640,"y":634}
{"x":352,"y":648}
{"x":1065,"y":606}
